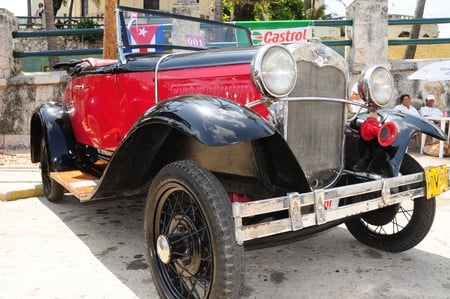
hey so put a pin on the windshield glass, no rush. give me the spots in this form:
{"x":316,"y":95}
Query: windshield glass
{"x":155,"y":31}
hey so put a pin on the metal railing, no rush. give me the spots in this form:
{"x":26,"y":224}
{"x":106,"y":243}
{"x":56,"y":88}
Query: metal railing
{"x":59,"y":32}
{"x":418,"y":41}
{"x":61,"y":22}
{"x":335,"y":23}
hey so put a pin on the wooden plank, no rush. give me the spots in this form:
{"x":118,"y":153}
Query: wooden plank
{"x":79,"y":183}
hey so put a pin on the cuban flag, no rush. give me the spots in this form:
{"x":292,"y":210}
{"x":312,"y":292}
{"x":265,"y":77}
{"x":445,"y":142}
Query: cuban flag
{"x":148,"y":34}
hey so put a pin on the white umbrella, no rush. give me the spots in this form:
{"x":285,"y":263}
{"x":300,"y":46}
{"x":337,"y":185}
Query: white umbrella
{"x":436,"y":71}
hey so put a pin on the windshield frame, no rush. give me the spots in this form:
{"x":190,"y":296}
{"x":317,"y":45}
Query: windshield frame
{"x":125,"y":48}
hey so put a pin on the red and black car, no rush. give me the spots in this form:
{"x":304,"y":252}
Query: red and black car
{"x":233,"y":145}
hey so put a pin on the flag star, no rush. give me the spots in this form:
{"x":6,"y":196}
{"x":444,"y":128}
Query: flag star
{"x":142,"y":31}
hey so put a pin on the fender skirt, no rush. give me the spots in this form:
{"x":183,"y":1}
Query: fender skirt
{"x":51,"y":122}
{"x":240,"y":147}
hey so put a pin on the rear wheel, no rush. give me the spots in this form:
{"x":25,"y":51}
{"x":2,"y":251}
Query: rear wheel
{"x":189,"y":232}
{"x":52,"y":190}
{"x":398,"y":227}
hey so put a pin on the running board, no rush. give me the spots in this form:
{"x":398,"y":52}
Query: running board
{"x":79,"y":183}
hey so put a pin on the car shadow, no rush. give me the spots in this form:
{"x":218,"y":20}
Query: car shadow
{"x":328,"y":265}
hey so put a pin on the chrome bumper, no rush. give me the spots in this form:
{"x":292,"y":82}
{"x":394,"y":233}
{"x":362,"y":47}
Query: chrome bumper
{"x":325,"y":202}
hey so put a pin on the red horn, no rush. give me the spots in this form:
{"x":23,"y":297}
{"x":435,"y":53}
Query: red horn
{"x":386,"y":134}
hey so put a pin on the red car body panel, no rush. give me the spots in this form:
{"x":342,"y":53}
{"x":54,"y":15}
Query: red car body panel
{"x":232,"y":82}
{"x":105,"y":106}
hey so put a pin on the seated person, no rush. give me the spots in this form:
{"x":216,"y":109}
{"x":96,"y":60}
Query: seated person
{"x":428,"y":110}
{"x":354,"y":96}
{"x":405,"y":106}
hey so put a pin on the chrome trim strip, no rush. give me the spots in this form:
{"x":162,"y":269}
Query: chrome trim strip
{"x":321,"y":215}
{"x":122,"y":58}
{"x":340,"y":100}
{"x":164,"y":57}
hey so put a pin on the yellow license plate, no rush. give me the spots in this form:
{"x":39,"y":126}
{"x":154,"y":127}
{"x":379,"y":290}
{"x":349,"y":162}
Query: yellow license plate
{"x":436,"y":179}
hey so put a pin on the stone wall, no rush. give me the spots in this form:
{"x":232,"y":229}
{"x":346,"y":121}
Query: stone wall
{"x":21,"y":93}
{"x":418,"y":89}
{"x":20,"y":97}
{"x":68,"y":42}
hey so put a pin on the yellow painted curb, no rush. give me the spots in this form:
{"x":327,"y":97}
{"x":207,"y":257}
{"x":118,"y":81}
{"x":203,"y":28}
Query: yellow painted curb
{"x":19,"y":194}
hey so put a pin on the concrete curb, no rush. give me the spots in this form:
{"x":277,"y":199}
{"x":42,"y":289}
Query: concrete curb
{"x":20,"y":194}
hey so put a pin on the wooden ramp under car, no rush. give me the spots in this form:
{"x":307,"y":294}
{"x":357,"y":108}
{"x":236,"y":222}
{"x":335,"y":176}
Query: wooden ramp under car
{"x":79,"y":183}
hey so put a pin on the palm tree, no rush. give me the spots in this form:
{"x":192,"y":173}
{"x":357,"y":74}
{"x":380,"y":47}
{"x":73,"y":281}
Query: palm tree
{"x":110,"y":34}
{"x":218,"y":9}
{"x":410,"y":51}
{"x":50,"y":25}
{"x":29,"y":20}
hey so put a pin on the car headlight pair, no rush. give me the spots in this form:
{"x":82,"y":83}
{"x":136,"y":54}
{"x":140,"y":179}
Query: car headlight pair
{"x":376,"y":85}
{"x":274,"y":70}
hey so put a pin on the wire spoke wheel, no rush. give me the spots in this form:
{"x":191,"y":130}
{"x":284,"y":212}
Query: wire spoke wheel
{"x":399,"y":227}
{"x":189,"y":234}
{"x":396,"y":224}
{"x":183,"y":244}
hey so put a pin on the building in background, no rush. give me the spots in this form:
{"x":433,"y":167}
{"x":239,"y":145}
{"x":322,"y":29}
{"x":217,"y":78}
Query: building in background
{"x":89,"y":8}
{"x":426,"y":30}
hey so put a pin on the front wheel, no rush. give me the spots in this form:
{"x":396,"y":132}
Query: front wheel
{"x":399,"y":227}
{"x":189,"y":233}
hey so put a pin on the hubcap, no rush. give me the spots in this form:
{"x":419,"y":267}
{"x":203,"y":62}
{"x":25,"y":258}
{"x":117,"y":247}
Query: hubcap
{"x":163,"y":249}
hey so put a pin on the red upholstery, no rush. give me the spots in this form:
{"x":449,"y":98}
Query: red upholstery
{"x":94,"y":62}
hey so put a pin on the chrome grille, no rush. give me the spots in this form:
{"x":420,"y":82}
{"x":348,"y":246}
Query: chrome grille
{"x":314,"y":128}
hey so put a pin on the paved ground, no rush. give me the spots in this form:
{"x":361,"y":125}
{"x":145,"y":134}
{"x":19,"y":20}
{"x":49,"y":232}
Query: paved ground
{"x":95,"y":250}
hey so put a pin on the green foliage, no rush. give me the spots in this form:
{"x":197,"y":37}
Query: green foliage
{"x":287,"y":10}
{"x":86,"y":23}
{"x":247,"y":10}
{"x":265,"y":10}
{"x":228,"y":10}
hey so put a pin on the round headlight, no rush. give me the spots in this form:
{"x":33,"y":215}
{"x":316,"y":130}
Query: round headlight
{"x":274,"y":70}
{"x":377,"y":85}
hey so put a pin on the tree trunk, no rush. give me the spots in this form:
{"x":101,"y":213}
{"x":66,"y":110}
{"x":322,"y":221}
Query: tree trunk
{"x":50,"y":25}
{"x":218,"y":9}
{"x":110,"y":32}
{"x":29,"y":19}
{"x":410,"y":51}
{"x":69,"y":21}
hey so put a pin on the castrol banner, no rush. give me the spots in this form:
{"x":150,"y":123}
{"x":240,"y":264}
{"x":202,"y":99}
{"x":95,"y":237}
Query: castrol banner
{"x":275,"y":32}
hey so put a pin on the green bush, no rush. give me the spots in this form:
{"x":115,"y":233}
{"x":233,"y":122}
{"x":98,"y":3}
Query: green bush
{"x":86,"y":23}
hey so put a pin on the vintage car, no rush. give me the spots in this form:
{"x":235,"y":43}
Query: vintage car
{"x":234,"y":146}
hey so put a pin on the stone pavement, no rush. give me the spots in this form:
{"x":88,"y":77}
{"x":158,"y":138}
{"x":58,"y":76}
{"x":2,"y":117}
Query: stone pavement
{"x":19,"y":178}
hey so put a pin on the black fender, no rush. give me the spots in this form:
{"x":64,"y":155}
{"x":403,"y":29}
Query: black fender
{"x":407,"y":125}
{"x":51,"y":122}
{"x":211,"y":120}
{"x":241,"y":148}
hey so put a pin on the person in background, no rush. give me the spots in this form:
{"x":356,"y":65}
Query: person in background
{"x":59,"y":24}
{"x":428,"y":110}
{"x":354,"y":96}
{"x":40,"y":9}
{"x":405,"y":106}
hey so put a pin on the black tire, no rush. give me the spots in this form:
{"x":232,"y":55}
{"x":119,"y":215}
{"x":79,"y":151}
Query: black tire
{"x":400,"y":227}
{"x":52,"y":190}
{"x":189,"y":235}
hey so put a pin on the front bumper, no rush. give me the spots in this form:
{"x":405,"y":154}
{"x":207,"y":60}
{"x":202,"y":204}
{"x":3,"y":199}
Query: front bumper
{"x":325,"y":205}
